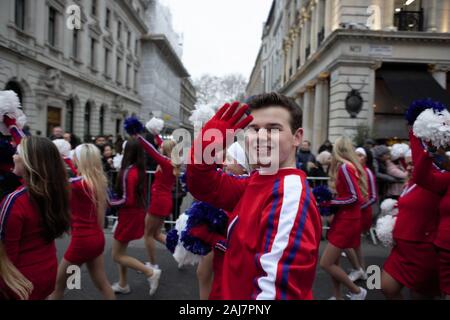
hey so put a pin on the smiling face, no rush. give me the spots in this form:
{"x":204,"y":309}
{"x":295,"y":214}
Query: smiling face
{"x":271,"y":142}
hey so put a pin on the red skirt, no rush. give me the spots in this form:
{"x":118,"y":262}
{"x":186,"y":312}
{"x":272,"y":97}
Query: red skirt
{"x":85,"y":249}
{"x":131,"y":225}
{"x":414,"y":265}
{"x":366,"y":219}
{"x":444,"y":270}
{"x":161,"y":205}
{"x":345,"y":233}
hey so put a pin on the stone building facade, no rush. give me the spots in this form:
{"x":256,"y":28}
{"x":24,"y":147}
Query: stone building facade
{"x":85,"y":80}
{"x":368,"y":58}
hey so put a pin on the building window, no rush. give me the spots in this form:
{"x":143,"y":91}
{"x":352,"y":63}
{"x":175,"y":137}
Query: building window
{"x":119,"y":70}
{"x":136,"y":47}
{"x":20,"y":14}
{"x":75,"y":43}
{"x":136,"y":77}
{"x":129,"y":39}
{"x":69,"y":115}
{"x":409,"y":15}
{"x":118,"y":126}
{"x":93,"y":53}
{"x":94,"y":7}
{"x":87,"y":121}
{"x":128,"y":76}
{"x":119,"y":30}
{"x":14,"y":86}
{"x":107,"y":54}
{"x":52,"y":13}
{"x":108,"y":18}
{"x":102,"y":120}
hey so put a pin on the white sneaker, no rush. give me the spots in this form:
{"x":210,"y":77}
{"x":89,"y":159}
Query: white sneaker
{"x":152,"y":266}
{"x":357,"y":275}
{"x":118,"y":289}
{"x":332,"y":298}
{"x":358,"y":296}
{"x":153,"y":281}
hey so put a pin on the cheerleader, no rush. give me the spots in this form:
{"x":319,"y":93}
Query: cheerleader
{"x":131,"y":217}
{"x":413,"y":260}
{"x":355,"y":255}
{"x":33,"y":216}
{"x":349,"y":182}
{"x":88,"y":205}
{"x":437,"y":182}
{"x":235,"y":164}
{"x":161,"y":194}
{"x":64,"y":149}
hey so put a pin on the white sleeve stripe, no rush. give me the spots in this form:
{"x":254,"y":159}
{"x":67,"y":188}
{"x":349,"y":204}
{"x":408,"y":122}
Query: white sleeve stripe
{"x":351,"y":186}
{"x":292,"y":191}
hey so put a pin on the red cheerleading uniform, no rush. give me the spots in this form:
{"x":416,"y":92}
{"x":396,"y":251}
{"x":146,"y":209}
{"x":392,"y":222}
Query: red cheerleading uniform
{"x":366,"y":208}
{"x":345,"y":230}
{"x":161,"y":195}
{"x":21,"y":232}
{"x":428,"y":177}
{"x":71,"y":166}
{"x":274,"y":238}
{"x":413,"y":260}
{"x":131,"y":217}
{"x":87,"y":238}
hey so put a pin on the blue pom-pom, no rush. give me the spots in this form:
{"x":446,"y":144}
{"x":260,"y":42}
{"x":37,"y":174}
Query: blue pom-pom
{"x":419,"y":106}
{"x":172,"y":240}
{"x":183,"y":181}
{"x":322,"y":194}
{"x":6,"y":151}
{"x":133,"y":126}
{"x":203,"y":213}
{"x":194,"y":245}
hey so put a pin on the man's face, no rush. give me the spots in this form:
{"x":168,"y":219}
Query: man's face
{"x":306,"y":147}
{"x":270,"y":140}
{"x":67,"y":137}
{"x":100,"y":141}
{"x":58,"y":132}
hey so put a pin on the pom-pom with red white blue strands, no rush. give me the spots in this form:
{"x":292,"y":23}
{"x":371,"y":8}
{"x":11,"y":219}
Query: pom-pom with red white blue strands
{"x":419,"y":106}
{"x":133,"y":126}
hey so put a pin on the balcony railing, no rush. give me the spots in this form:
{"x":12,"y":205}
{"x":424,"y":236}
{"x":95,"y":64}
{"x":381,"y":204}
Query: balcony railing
{"x":409,"y":20}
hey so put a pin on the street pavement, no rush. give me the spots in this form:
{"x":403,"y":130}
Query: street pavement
{"x":181,"y":284}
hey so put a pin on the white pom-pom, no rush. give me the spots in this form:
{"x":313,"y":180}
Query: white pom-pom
{"x":433,"y":127}
{"x":389,"y":207}
{"x":384,"y":229}
{"x":399,"y":150}
{"x":201,"y":115}
{"x":63,"y":146}
{"x":10,"y":105}
{"x":117,"y":161}
{"x":155,"y":125}
{"x":182,"y":256}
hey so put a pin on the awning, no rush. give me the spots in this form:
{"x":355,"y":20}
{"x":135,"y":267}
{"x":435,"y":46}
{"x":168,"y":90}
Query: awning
{"x":409,"y":85}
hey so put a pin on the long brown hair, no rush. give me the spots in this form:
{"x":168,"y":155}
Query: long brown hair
{"x":133,"y":155}
{"x":344,"y":152}
{"x":90,"y":167}
{"x":12,"y":277}
{"x":47,"y":183}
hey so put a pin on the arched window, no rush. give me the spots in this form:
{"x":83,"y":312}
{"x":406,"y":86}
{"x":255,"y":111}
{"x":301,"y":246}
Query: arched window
{"x":14,"y":86}
{"x":87,"y":121}
{"x":102,"y":120}
{"x":70,"y":105}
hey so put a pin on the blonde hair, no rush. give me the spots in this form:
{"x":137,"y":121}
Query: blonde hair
{"x":167,"y":150}
{"x":89,"y":165}
{"x":12,"y":277}
{"x":344,"y":152}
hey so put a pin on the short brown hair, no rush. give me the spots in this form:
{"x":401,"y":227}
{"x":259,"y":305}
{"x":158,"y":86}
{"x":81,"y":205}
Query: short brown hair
{"x":274,"y":99}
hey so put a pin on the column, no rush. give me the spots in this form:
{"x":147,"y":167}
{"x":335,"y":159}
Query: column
{"x":319,"y":111}
{"x":439,"y":73}
{"x":307,"y":125}
{"x":303,"y":42}
{"x":328,"y":17}
{"x":313,"y":28}
{"x":432,"y":16}
{"x":389,"y":9}
{"x":294,"y":39}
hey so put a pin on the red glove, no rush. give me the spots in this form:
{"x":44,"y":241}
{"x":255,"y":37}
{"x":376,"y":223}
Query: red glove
{"x":228,"y":117}
{"x":8,"y":121}
{"x":216,"y":240}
